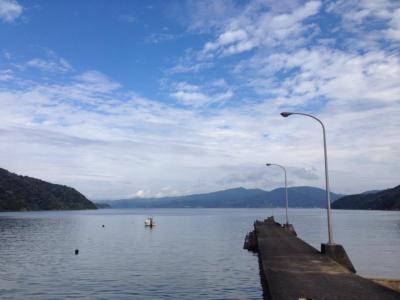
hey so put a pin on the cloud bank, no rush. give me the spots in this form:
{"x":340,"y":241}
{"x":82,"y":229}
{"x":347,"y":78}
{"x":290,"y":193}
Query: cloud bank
{"x":216,"y":120}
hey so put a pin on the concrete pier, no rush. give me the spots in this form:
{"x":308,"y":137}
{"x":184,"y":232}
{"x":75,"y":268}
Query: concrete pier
{"x":292,"y":269}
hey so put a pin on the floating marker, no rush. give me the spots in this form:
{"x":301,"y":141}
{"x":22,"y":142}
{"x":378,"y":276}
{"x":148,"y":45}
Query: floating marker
{"x":76,"y":251}
{"x":102,"y":225}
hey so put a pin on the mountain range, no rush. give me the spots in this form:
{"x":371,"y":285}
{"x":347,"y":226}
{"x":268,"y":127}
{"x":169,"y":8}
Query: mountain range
{"x":303,"y":196}
{"x":377,"y":200}
{"x":21,"y":193}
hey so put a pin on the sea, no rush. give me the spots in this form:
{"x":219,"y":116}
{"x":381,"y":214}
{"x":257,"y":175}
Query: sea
{"x":189,"y":254}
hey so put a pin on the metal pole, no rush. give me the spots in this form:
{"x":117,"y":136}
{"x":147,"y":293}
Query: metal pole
{"x":328,"y":194}
{"x":286,"y":196}
{"x":286,"y":191}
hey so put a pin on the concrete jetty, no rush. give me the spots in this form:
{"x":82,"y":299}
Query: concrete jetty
{"x":292,"y":269}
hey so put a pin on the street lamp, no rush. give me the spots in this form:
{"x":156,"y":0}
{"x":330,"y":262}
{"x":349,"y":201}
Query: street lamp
{"x":286,"y":193}
{"x":328,"y":196}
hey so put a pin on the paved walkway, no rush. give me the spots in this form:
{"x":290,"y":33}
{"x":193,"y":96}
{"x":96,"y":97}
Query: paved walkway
{"x":293,"y":270}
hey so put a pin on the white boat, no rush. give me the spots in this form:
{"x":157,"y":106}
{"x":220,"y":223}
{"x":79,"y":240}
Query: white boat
{"x":149,"y":222}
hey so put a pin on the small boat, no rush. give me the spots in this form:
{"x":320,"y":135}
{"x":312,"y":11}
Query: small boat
{"x":149,"y":222}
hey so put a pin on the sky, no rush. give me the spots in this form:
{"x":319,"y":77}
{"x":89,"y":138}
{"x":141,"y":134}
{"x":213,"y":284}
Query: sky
{"x":123,"y":99}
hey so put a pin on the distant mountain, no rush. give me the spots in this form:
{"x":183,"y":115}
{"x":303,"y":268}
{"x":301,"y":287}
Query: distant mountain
{"x":238,"y":197}
{"x":102,"y":205}
{"x":383,"y":200}
{"x":20,"y":193}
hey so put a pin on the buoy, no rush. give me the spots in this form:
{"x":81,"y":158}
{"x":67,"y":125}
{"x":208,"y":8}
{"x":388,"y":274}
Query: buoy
{"x":102,"y":225}
{"x":76,"y":251}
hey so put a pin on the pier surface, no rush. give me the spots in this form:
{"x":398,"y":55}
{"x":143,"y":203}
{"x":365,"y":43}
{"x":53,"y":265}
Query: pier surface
{"x":292,"y":269}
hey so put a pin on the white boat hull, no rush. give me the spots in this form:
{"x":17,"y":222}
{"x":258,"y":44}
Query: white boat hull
{"x":149,"y":222}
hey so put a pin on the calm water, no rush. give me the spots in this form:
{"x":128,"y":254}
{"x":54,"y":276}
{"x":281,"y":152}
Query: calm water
{"x":191,"y":254}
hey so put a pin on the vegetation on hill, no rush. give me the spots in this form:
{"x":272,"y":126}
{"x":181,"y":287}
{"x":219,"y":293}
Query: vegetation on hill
{"x":238,"y":197}
{"x":383,"y":200}
{"x":20,"y":193}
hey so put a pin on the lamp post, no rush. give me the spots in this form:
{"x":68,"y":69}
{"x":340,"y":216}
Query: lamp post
{"x":328,"y":196}
{"x":286,"y":193}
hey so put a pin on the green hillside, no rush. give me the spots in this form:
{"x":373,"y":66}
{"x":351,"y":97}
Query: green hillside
{"x":20,"y":193}
{"x":383,"y":200}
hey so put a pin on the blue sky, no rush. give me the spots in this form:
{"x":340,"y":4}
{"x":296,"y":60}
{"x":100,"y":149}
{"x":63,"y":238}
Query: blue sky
{"x":155,"y":98}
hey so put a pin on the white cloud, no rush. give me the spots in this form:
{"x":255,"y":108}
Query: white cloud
{"x":6,"y":75}
{"x":248,"y":30}
{"x":157,"y":38}
{"x":393,"y":32}
{"x":229,"y":37}
{"x":140,"y":193}
{"x":10,"y":10}
{"x":219,"y":82}
{"x":342,"y":77}
{"x":187,"y":87}
{"x":98,"y":81}
{"x":191,"y":95}
{"x":121,"y":143}
{"x":188,"y":66}
{"x":221,"y":127}
{"x":358,"y":15}
{"x":50,"y":65}
{"x":356,"y":12}
{"x":205,"y":15}
{"x":191,"y":98}
{"x":221,"y":97}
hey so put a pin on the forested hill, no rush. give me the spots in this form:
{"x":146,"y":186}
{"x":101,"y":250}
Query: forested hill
{"x":303,"y":196}
{"x":20,"y":193}
{"x":383,"y":200}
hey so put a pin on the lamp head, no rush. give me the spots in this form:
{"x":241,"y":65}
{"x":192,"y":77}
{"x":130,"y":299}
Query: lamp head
{"x":268,"y":164}
{"x":285,"y":114}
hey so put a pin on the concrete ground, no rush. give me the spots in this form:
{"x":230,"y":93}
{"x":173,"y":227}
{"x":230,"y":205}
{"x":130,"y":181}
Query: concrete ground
{"x":292,"y":269}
